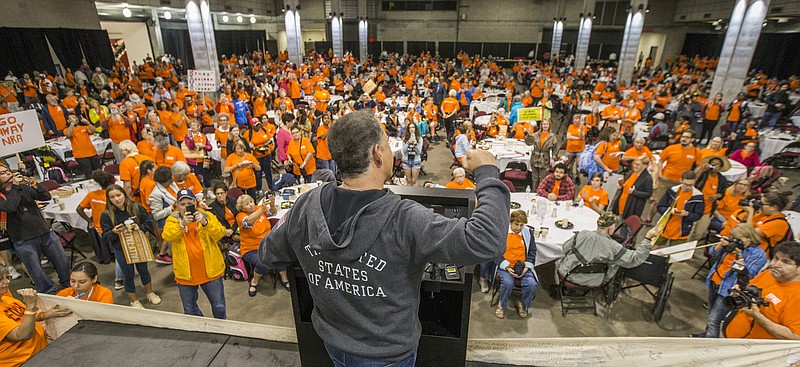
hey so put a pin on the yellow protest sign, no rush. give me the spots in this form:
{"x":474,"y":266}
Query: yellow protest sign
{"x":529,"y":114}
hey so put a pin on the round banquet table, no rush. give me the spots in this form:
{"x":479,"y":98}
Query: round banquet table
{"x":773,"y":141}
{"x":757,"y":109}
{"x":61,"y":145}
{"x":509,"y":150}
{"x":69,"y":215}
{"x":550,"y":248}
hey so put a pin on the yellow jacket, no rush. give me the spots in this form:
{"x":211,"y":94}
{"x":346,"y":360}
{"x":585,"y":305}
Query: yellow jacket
{"x":209,"y":235}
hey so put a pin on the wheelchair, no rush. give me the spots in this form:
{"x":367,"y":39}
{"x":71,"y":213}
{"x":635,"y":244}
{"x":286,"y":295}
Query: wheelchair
{"x":653,"y":275}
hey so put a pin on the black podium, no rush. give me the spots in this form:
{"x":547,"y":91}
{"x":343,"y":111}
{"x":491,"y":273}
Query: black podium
{"x":444,"y":304}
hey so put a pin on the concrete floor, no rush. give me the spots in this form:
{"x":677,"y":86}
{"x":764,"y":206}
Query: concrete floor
{"x":630,"y":315}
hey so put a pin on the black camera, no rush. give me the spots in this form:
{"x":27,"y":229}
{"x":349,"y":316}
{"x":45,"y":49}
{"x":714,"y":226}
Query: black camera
{"x":191,"y":209}
{"x":747,"y":294}
{"x":733,"y":244}
{"x":756,"y":204}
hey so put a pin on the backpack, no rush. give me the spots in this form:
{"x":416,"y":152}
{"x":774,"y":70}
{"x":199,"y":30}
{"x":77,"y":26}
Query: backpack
{"x":239,"y":269}
{"x":788,"y":236}
{"x":586,"y":162}
{"x":56,"y":174}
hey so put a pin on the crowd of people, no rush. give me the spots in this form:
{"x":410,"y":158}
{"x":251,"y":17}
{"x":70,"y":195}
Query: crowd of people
{"x":273,"y":122}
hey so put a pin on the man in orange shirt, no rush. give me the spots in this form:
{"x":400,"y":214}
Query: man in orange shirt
{"x":165,"y":154}
{"x":460,"y":180}
{"x":611,"y":114}
{"x":780,"y":288}
{"x":70,"y":101}
{"x":324,"y":159}
{"x":674,"y":161}
{"x":711,"y":113}
{"x":129,"y":169}
{"x":54,"y":116}
{"x":630,"y":116}
{"x":685,"y":205}
{"x":196,"y":258}
{"x":79,"y":134}
{"x":576,"y":141}
{"x":321,"y":97}
{"x":449,"y":109}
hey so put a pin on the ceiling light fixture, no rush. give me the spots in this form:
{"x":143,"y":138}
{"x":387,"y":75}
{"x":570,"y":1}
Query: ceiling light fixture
{"x":126,"y":12}
{"x":252,"y":20}
{"x":225,"y":19}
{"x":239,"y":19}
{"x":167,"y":15}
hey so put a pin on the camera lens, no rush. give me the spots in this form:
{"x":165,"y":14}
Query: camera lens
{"x":736,"y":302}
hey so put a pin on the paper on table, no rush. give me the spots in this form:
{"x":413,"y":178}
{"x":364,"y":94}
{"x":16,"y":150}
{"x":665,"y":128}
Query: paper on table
{"x":677,"y":253}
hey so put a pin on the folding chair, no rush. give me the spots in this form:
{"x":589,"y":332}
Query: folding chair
{"x":576,"y":297}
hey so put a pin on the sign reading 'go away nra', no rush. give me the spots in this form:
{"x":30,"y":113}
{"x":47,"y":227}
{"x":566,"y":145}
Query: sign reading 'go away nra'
{"x":20,"y":131}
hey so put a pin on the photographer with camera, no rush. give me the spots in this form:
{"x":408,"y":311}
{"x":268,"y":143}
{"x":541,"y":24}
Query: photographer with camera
{"x":737,"y":259}
{"x":712,"y":184}
{"x":767,"y":307}
{"x":79,"y":132}
{"x":32,"y":235}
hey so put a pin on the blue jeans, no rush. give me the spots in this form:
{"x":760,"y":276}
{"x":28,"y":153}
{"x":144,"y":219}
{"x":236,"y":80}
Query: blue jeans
{"x":49,"y":245}
{"x":128,"y":271}
{"x":343,"y":359}
{"x":716,"y":311}
{"x":326,"y":164}
{"x":770,"y":119}
{"x":214,"y":290}
{"x":251,"y":257}
{"x":487,"y":269}
{"x":527,"y":281}
{"x":266,"y":171}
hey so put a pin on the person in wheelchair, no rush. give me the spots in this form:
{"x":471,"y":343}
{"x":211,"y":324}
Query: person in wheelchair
{"x":517,"y":263}
{"x":592,"y":247}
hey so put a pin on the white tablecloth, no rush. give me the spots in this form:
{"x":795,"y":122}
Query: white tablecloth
{"x":485,"y":106}
{"x":757,"y":109}
{"x":62,"y":145}
{"x":69,"y":214}
{"x":736,"y":172}
{"x":482,"y":120}
{"x":550,"y":248}
{"x":794,"y":98}
{"x":772,"y":142}
{"x":509,"y":150}
{"x":397,"y":147}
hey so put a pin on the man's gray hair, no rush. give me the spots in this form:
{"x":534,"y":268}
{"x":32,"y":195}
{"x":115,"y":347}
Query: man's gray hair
{"x":350,"y":141}
{"x":180,"y":168}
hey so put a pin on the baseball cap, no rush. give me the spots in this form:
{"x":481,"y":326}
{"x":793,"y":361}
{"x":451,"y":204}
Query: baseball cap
{"x":659,"y":116}
{"x":606,"y":220}
{"x":254,"y":121}
{"x":185,"y":193}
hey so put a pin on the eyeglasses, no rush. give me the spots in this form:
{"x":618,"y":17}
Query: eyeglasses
{"x":5,"y":277}
{"x":5,"y":172}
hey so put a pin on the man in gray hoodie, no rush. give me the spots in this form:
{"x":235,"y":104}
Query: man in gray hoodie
{"x":363,"y":250}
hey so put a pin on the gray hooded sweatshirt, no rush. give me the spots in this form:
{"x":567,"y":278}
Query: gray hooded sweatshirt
{"x":366,"y":286}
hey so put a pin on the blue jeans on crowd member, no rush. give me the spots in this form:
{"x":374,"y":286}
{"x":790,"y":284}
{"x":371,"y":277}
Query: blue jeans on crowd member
{"x":214,"y":290}
{"x":487,"y":270}
{"x":49,"y":245}
{"x":528,"y":282}
{"x":266,"y":171}
{"x":128,"y":272}
{"x":198,"y":169}
{"x":251,"y":257}
{"x":326,"y":164}
{"x":286,"y":180}
{"x":344,"y":359}
{"x":770,"y":119}
{"x":716,"y":311}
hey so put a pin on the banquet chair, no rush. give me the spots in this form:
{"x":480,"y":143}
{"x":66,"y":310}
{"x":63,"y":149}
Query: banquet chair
{"x":576,"y":297}
{"x":787,"y":157}
{"x":67,"y":240}
{"x":509,"y":184}
{"x":626,"y":233}
{"x":107,"y":156}
{"x":111,"y":169}
{"x":50,"y":185}
{"x":235,"y":192}
{"x":517,"y":173}
{"x":208,"y":130}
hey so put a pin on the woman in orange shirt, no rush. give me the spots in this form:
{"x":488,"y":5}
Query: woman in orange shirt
{"x":300,"y":154}
{"x":23,"y":335}
{"x":197,"y":142}
{"x":593,"y":195}
{"x":608,"y":152}
{"x":711,"y":113}
{"x":242,"y":166}
{"x":83,"y":285}
{"x":253,"y":226}
{"x":324,"y":159}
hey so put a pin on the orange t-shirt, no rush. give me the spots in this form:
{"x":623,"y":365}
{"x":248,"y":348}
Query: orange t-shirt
{"x":784,"y":299}
{"x":633,"y":152}
{"x":323,"y":153}
{"x":672,"y":230}
{"x":191,"y":183}
{"x":250,"y":238}
{"x":710,"y":188}
{"x":322,"y":97}
{"x":117,"y":129}
{"x":179,"y":132}
{"x":146,"y":188}
{"x":712,"y":111}
{"x":556,"y":187}
{"x":129,"y":169}
{"x":261,"y":138}
{"x":297,"y":152}
{"x":679,"y":160}
{"x":708,"y":151}
{"x":15,"y":353}
{"x":169,"y":158}
{"x":723,"y":267}
{"x":197,"y":261}
{"x":245,"y":176}
{"x":70,"y":102}
{"x":623,"y":195}
{"x":146,"y":148}
{"x":734,"y":115}
{"x":449,"y":105}
{"x":464,"y":186}
{"x":576,"y":146}
{"x":222,"y":140}
{"x":773,"y":228}
{"x":729,"y":203}
{"x":600,"y":197}
{"x":98,"y":293}
{"x":607,"y":150}
{"x":286,"y":100}
{"x":57,"y":113}
{"x":520,"y":128}
{"x":81,"y":141}
{"x":96,"y":202}
{"x":515,"y":249}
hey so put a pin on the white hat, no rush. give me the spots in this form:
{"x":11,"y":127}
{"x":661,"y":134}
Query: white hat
{"x":659,"y":116}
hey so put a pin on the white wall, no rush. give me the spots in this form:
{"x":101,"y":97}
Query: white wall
{"x":651,"y":40}
{"x":137,"y":40}
{"x":78,"y":14}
